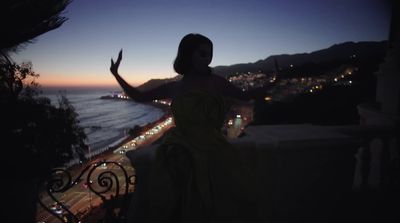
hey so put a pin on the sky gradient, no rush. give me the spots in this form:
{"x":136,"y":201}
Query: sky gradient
{"x":149,"y":31}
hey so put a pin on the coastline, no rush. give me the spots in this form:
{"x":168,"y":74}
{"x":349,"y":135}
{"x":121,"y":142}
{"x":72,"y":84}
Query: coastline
{"x":126,"y":139}
{"x":108,"y":149}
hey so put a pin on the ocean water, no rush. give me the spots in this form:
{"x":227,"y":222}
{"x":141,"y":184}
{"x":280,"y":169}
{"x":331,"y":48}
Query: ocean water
{"x":105,"y":121}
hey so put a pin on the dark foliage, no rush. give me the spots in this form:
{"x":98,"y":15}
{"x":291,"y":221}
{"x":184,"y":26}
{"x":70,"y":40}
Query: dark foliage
{"x":23,"y":20}
{"x":38,"y":136}
{"x":331,"y":106}
{"x":135,"y":131}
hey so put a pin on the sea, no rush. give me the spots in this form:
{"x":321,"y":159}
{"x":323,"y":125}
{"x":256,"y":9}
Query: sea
{"x":105,"y":121}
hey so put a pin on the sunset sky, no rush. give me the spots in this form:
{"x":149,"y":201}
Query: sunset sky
{"x":149,"y":31}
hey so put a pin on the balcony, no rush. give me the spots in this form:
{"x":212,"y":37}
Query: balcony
{"x":312,"y":173}
{"x":305,"y":173}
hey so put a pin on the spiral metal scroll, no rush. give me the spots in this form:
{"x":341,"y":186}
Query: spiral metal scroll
{"x":107,"y":181}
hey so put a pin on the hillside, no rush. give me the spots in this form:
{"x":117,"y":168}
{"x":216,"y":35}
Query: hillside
{"x":157,"y":82}
{"x":341,"y":53}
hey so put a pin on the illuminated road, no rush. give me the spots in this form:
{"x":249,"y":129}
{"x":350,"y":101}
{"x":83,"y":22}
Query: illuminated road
{"x":80,"y":199}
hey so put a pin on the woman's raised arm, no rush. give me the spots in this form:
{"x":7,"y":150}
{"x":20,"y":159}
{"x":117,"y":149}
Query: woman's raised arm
{"x":161,"y":92}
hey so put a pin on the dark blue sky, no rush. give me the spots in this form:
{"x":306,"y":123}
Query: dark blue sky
{"x":149,"y":31}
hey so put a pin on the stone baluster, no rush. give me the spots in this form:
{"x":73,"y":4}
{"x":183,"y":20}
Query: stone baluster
{"x":365,"y":162}
{"x":385,"y":163}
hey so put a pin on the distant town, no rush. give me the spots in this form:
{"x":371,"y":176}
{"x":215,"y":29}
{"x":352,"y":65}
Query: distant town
{"x":282,"y":88}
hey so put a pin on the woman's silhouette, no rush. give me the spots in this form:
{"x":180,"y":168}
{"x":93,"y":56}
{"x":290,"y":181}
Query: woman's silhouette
{"x":197,"y":176}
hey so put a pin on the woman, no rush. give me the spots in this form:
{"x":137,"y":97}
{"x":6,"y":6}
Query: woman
{"x":197,"y":175}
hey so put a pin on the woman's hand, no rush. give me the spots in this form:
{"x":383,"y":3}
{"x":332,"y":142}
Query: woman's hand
{"x":114,"y":66}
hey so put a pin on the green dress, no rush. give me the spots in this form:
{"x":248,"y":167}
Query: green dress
{"x":198,"y":176}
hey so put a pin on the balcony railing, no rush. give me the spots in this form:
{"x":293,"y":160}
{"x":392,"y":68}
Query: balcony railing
{"x":309,"y":172}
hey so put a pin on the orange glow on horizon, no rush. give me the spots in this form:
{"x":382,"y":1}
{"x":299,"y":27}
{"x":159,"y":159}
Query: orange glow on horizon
{"x":61,"y":80}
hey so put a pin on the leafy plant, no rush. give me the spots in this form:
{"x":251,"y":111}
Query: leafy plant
{"x":40,"y":135}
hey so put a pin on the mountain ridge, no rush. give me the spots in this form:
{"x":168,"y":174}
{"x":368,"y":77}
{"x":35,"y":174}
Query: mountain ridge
{"x":336,"y":51}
